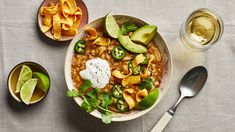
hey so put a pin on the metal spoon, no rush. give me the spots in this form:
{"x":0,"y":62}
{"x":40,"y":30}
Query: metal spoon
{"x":192,"y":83}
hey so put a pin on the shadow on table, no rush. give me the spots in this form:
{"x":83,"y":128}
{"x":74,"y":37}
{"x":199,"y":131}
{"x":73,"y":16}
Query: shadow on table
{"x":185,"y":58}
{"x":18,"y":107}
{"x":81,"y":120}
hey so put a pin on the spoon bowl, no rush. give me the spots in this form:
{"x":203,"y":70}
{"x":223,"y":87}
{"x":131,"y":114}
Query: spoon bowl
{"x":193,"y":81}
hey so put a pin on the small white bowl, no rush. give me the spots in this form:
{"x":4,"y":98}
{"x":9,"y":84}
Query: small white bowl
{"x":13,"y":77}
{"x":160,"y":43}
{"x":83,"y":22}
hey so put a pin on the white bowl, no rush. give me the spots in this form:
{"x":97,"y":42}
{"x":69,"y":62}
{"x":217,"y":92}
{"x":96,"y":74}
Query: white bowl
{"x":13,"y":77}
{"x":159,"y":43}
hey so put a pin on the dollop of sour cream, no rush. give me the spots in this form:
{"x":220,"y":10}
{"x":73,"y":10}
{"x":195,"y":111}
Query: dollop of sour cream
{"x":97,"y":71}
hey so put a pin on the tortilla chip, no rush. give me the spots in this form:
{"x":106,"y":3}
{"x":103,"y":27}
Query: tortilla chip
{"x":102,"y":41}
{"x":63,"y":18}
{"x":72,"y":6}
{"x":64,"y":8}
{"x":51,"y":4}
{"x":78,"y":14}
{"x":47,"y":20}
{"x":47,"y":12}
{"x":52,"y":10}
{"x":92,"y":33}
{"x":130,"y":80}
{"x":119,"y":75}
{"x":141,"y":94}
{"x":70,"y":32}
{"x":44,"y":28}
{"x":56,"y":26}
{"x":76,"y":22}
{"x":128,"y":98}
{"x":79,"y":9}
{"x":67,"y":23}
{"x":41,"y":11}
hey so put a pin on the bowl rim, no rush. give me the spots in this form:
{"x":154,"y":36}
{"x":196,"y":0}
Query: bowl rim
{"x":69,"y":37}
{"x":9,"y":81}
{"x":78,"y":100}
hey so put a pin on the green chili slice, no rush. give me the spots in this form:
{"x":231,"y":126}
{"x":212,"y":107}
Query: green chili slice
{"x":118,"y":52}
{"x":136,"y":70}
{"x":121,"y":105}
{"x":117,"y":91}
{"x":80,"y":47}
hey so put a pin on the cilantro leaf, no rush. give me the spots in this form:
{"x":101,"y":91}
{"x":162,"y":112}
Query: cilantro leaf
{"x":106,"y":100}
{"x":128,"y":27}
{"x":90,"y":101}
{"x":72,"y":93}
{"x":93,"y":93}
{"x":147,"y":83}
{"x":107,"y":118}
{"x":86,"y":106}
{"x":75,"y":93}
{"x":85,"y":86}
{"x":69,"y":93}
{"x":93,"y":102}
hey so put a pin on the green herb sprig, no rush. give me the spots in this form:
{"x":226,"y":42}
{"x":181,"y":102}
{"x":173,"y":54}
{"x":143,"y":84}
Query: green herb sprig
{"x":128,"y":27}
{"x":91,"y":101}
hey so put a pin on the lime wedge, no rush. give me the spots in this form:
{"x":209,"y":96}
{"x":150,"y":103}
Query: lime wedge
{"x":148,"y":101}
{"x":26,"y":91}
{"x":111,"y":26}
{"x":25,"y":74}
{"x":43,"y":81}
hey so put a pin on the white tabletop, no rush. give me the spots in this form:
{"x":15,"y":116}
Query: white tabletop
{"x":210,"y":111}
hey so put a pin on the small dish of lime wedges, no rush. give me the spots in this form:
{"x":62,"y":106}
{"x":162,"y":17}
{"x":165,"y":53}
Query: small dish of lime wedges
{"x":28,"y":82}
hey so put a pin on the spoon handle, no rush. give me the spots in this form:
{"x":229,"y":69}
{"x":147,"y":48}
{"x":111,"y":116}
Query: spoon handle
{"x":167,"y":117}
{"x":162,"y":122}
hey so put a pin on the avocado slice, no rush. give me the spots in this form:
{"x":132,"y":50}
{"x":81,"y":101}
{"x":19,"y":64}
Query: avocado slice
{"x":144,"y":34}
{"x":131,"y":46}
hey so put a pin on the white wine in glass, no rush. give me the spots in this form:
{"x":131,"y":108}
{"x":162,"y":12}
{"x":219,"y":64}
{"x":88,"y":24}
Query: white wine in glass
{"x":202,"y":29}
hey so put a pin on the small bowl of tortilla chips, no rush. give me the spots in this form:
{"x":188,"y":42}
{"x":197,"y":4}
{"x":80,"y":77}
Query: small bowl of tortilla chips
{"x":61,"y":19}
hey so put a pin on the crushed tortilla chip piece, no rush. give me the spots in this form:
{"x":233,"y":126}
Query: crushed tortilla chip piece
{"x":130,"y":80}
{"x":128,"y":98}
{"x":119,"y":75}
{"x":102,"y":41}
{"x":92,"y":33}
{"x":138,"y":59}
{"x":141,"y":94}
{"x":145,"y":73}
